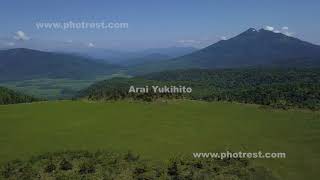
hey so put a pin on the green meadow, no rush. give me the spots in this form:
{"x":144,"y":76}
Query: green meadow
{"x":161,"y":129}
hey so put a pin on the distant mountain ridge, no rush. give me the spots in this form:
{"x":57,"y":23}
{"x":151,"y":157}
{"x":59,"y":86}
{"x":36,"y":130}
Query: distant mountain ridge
{"x":21,"y":63}
{"x":133,"y":57}
{"x":250,"y":48}
{"x":155,"y":57}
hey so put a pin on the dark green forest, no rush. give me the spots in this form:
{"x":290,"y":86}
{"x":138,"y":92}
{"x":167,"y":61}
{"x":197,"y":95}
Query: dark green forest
{"x":118,"y":88}
{"x":8,"y":96}
{"x":279,"y":88}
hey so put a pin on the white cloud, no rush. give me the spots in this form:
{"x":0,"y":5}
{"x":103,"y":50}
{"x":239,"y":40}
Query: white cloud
{"x":269,"y":28}
{"x":200,"y":42}
{"x":186,"y":41}
{"x":91,"y":45}
{"x":288,"y":33}
{"x":223,"y":38}
{"x":20,"y":35}
{"x":69,"y":41}
{"x":284,"y":30}
{"x":189,"y":42}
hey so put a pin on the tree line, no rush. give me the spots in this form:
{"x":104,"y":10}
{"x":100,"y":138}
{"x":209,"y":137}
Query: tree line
{"x":8,"y":96}
{"x":280,"y":88}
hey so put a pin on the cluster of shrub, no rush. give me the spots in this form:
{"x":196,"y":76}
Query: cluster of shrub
{"x":280,"y":88}
{"x":8,"y":96}
{"x":128,"y":166}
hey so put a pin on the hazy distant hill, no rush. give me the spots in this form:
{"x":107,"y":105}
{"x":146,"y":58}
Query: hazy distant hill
{"x":250,"y":48}
{"x":134,"y":57}
{"x":170,"y":51}
{"x":17,"y":64}
{"x":151,"y":58}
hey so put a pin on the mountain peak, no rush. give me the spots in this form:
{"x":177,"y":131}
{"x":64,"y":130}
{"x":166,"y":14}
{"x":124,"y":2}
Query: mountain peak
{"x":250,"y":31}
{"x":261,"y":33}
{"x":252,"y":48}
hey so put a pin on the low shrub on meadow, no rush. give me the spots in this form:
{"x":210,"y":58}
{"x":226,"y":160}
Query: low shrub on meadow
{"x":126,"y":166}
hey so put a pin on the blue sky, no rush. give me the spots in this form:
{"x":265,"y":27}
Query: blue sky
{"x":154,"y":23}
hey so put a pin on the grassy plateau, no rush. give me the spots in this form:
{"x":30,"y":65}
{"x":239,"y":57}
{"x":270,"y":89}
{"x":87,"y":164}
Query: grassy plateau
{"x":161,"y":129}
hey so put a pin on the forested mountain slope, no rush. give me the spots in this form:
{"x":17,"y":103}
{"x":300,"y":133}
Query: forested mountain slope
{"x":281,"y":88}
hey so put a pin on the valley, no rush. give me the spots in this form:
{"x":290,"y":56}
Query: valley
{"x":54,"y":88}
